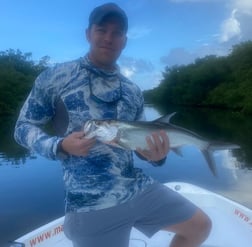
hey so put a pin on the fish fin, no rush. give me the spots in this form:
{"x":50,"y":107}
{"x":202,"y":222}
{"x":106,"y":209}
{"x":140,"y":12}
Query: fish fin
{"x":164,"y":119}
{"x":114,"y":144}
{"x":178,"y":151}
{"x":117,"y":143}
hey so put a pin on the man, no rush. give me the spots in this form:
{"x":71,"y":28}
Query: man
{"x":105,"y":195}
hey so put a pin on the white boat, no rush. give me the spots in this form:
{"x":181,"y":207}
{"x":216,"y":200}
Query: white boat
{"x":232,"y":224}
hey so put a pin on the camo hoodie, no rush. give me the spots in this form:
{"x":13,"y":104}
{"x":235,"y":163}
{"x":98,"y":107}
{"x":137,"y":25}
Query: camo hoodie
{"x":107,"y":176}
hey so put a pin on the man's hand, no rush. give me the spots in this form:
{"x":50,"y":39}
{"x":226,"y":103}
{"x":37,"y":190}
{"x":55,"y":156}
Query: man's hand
{"x":77,"y":144}
{"x":158,"y":146}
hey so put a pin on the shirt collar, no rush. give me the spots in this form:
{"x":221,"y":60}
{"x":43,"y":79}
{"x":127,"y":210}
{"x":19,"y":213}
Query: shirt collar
{"x":87,"y":64}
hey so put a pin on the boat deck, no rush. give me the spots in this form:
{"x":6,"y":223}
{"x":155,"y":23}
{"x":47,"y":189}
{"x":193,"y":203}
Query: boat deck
{"x":231,"y":224}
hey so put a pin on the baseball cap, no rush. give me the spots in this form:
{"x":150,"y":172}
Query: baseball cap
{"x":102,"y":11}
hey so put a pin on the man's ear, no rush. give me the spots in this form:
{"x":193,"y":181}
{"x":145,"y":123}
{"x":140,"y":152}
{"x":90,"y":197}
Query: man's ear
{"x":88,"y":34}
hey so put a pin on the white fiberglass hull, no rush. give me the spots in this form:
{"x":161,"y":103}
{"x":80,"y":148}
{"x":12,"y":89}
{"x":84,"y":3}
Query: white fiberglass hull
{"x":232,"y":224}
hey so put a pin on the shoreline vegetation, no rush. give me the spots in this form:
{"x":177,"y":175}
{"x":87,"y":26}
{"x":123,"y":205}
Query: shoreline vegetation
{"x":212,"y":82}
{"x":17,"y":74}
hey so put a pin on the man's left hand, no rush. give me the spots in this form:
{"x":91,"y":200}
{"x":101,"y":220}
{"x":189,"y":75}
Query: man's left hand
{"x":158,"y":146}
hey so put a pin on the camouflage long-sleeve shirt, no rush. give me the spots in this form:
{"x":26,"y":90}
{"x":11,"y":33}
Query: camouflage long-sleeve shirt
{"x":106,"y":177}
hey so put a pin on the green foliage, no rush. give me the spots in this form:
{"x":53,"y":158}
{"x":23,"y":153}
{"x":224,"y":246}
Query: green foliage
{"x":17,"y":74}
{"x":224,"y":82}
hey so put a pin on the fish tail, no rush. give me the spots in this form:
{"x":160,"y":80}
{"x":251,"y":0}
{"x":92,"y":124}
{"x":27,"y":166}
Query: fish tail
{"x":209,"y":153}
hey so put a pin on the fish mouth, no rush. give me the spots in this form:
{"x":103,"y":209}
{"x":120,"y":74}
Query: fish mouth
{"x":88,"y":129}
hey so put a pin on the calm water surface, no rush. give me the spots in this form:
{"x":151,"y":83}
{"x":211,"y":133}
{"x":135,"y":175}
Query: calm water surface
{"x":31,"y":188}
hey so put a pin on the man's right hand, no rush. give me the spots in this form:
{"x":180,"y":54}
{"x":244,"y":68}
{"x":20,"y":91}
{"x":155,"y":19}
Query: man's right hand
{"x":77,"y":144}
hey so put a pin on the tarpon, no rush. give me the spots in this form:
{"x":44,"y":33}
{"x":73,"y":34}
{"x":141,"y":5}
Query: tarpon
{"x":132,"y":135}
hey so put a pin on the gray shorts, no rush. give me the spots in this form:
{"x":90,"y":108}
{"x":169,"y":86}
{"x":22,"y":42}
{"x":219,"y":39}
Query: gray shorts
{"x":154,"y":209}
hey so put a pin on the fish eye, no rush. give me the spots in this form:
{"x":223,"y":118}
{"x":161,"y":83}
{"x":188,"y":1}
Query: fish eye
{"x":97,"y":122}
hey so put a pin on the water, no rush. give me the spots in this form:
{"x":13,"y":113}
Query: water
{"x":31,"y":187}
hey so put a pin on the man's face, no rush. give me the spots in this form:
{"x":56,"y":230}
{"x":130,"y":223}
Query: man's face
{"x":107,"y":40}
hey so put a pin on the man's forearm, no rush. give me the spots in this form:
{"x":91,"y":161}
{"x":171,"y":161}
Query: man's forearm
{"x":33,"y":138}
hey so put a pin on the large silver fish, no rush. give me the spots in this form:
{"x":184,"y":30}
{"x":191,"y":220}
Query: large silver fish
{"x":132,"y":135}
